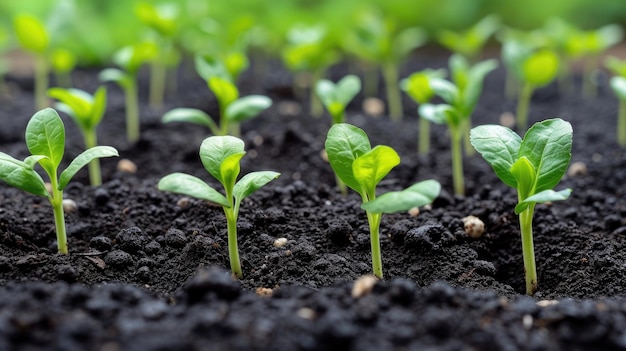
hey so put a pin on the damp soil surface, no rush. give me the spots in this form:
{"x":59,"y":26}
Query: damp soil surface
{"x":148,"y":270}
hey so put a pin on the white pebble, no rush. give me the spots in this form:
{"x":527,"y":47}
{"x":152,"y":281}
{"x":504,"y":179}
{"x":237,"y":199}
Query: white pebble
{"x":363,"y":286}
{"x":69,"y":206}
{"x":473,"y":226}
{"x":280,"y":242}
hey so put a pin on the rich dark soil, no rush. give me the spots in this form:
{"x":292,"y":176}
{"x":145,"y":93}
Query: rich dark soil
{"x":147,"y":269}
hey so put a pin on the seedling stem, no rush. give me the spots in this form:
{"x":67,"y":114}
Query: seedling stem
{"x":528,"y":250}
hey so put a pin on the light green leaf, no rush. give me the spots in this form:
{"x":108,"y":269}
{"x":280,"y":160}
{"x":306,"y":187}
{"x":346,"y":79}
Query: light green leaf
{"x":447,"y":91}
{"x":407,"y":41}
{"x":190,"y":115}
{"x":251,"y":182}
{"x":526,"y":176}
{"x":216,"y":149}
{"x":370,"y":168}
{"x":21,"y":175}
{"x":229,"y":170}
{"x":31,"y":34}
{"x":618,"y":84}
{"x":82,"y":160}
{"x":76,"y":103}
{"x":99,"y":106}
{"x":474,"y":87}
{"x":344,"y":144}
{"x":210,"y":67}
{"x":186,"y":184}
{"x":541,"y":67}
{"x":45,"y":135}
{"x":115,"y":75}
{"x":440,"y":114}
{"x":548,"y":146}
{"x":247,"y":107}
{"x":541,"y":197}
{"x":416,"y":195}
{"x":499,"y":146}
{"x":224,"y":90}
{"x":417,"y":85}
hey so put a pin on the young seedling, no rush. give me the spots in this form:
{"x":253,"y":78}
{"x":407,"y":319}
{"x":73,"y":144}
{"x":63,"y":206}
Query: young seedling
{"x":45,"y":139}
{"x":233,"y":109}
{"x":469,"y":43}
{"x":533,"y":165}
{"x":87,"y":112}
{"x":336,"y":97}
{"x":63,"y":63}
{"x":33,"y":37}
{"x":361,"y":168}
{"x":130,"y":59}
{"x":460,"y":101}
{"x":417,"y":86}
{"x":220,"y":156}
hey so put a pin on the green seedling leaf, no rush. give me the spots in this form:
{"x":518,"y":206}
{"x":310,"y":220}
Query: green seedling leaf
{"x":417,"y":85}
{"x":225,"y":91}
{"x":190,"y":115}
{"x":616,"y":66}
{"x":416,"y":195}
{"x":618,"y":84}
{"x":45,"y":135}
{"x":115,"y":75}
{"x":252,"y":182}
{"x":82,"y":160}
{"x":216,"y":149}
{"x":542,"y":197}
{"x":469,"y":42}
{"x":229,"y":170}
{"x":21,"y":175}
{"x":370,"y":168}
{"x":74,"y":101}
{"x":541,"y":67}
{"x":63,"y":60}
{"x":162,"y":17}
{"x":186,"y":184}
{"x":526,"y":176}
{"x":210,"y":67}
{"x":235,"y":63}
{"x":548,"y":145}
{"x":344,"y":144}
{"x":247,"y":107}
{"x":407,"y":41}
{"x":132,"y":57}
{"x":499,"y":146}
{"x":337,"y":96}
{"x":440,"y":114}
{"x":31,"y":34}
{"x":447,"y":91}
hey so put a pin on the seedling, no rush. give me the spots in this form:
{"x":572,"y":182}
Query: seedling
{"x":469,"y":43}
{"x":130,"y":59}
{"x":417,"y":86}
{"x":87,"y":112}
{"x":361,"y":168}
{"x":63,"y":63}
{"x":460,"y":101}
{"x":618,"y":84}
{"x":33,"y":37}
{"x":336,"y":97}
{"x":220,"y":156}
{"x":533,"y":165}
{"x":45,"y":139}
{"x":233,"y":109}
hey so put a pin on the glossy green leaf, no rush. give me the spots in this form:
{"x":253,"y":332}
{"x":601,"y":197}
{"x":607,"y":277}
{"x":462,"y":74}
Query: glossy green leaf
{"x":473,"y":89}
{"x":336,"y":97}
{"x":526,"y":176}
{"x":416,"y":195}
{"x":440,"y":114}
{"x":541,"y":67}
{"x":229,"y":170}
{"x":45,"y":135}
{"x":99,"y":106}
{"x":82,"y":160}
{"x":344,"y":144}
{"x":251,"y":182}
{"x":541,"y":197}
{"x":548,"y":146}
{"x":77,"y":103}
{"x":224,"y":90}
{"x":189,"y":185}
{"x":417,"y":85}
{"x":499,"y":146}
{"x":31,"y":34}
{"x":247,"y":107}
{"x":115,"y":75}
{"x":21,"y":175}
{"x":371,"y":167}
{"x":447,"y":91}
{"x":618,"y":84}
{"x":216,"y":149}
{"x":190,"y":115}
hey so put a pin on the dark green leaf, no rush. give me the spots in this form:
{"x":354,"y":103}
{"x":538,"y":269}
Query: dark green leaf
{"x":344,"y":144}
{"x":45,"y":135}
{"x":21,"y":175}
{"x":499,"y":146}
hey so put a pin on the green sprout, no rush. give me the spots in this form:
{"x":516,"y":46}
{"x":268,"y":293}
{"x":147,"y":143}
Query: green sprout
{"x":533,"y":165}
{"x":130,"y":59}
{"x":336,"y":97}
{"x":87,"y":112}
{"x":618,"y":84}
{"x":33,"y":37}
{"x":460,"y":100}
{"x":233,"y":109}
{"x":45,"y":139}
{"x":469,"y":42}
{"x":417,"y":86}
{"x":63,"y":63}
{"x":361,"y":168}
{"x":220,"y":156}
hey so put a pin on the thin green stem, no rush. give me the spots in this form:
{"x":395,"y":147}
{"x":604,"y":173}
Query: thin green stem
{"x":522,"y":107}
{"x":132,"y":111}
{"x":377,"y":262}
{"x":41,"y":82}
{"x":621,"y":123}
{"x":528,"y":250}
{"x":457,"y":160}
{"x":91,"y":140}
{"x":394,"y":99}
{"x":424,"y":136}
{"x":158,"y":75}
{"x":317,"y":109}
{"x":233,"y":248}
{"x":56,"y":200}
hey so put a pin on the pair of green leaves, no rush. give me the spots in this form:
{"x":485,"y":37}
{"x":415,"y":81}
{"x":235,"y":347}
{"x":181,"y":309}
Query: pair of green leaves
{"x":417,"y":85}
{"x":531,"y":61}
{"x":129,"y":59}
{"x":469,"y":43}
{"x":533,"y":165}
{"x":163,"y":18}
{"x":337,"y":96}
{"x":45,"y":139}
{"x":86,"y":110}
{"x":362,"y":167}
{"x":220,"y":156}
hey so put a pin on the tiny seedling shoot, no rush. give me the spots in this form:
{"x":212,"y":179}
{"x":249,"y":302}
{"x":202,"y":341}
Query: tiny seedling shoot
{"x":33,"y":37}
{"x":336,"y":97}
{"x":618,"y":84}
{"x":63,"y":63}
{"x":87,"y":112}
{"x":460,"y":101}
{"x":220,"y":156}
{"x":233,"y":109}
{"x":361,"y":168}
{"x":45,"y":139}
{"x":533,"y":165}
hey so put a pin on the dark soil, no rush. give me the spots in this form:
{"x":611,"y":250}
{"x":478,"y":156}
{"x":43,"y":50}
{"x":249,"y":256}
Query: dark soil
{"x":147,"y":270}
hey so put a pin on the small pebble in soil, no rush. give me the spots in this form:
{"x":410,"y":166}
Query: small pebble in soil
{"x":280,"y":242}
{"x":339,"y":232}
{"x":67,"y":273}
{"x":100,"y":243}
{"x":414,"y":212}
{"x":175,"y":238}
{"x":130,"y":239}
{"x":101,"y":196}
{"x":69,"y":206}
{"x":363,"y":286}
{"x":126,"y":166}
{"x":577,"y":169}
{"x":264,"y":292}
{"x":474,"y":227}
{"x":374,"y":107}
{"x":183,"y":202}
{"x":118,"y":259}
{"x":507,"y":119}
{"x":306,"y":313}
